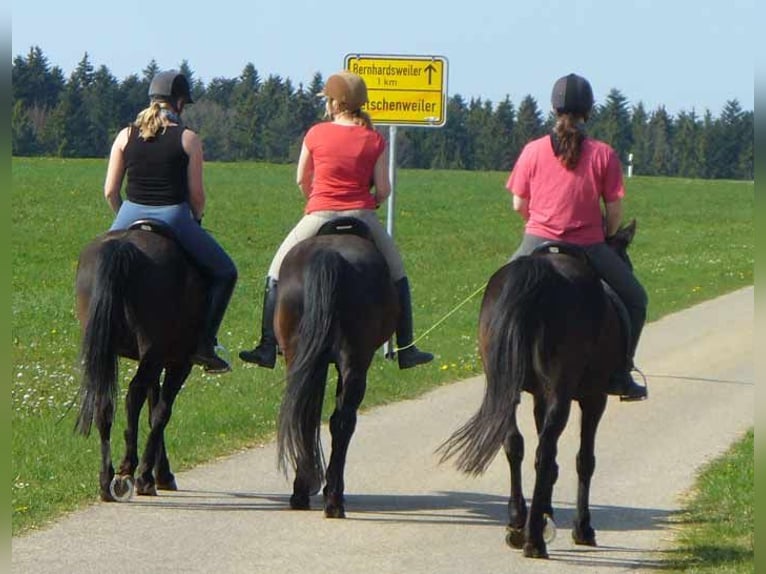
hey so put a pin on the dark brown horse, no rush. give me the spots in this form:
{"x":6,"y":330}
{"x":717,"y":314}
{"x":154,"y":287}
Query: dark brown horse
{"x":548,"y":327}
{"x":337,"y":304}
{"x":139,"y":297}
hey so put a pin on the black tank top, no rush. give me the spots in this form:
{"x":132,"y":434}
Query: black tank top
{"x":157,"y":168}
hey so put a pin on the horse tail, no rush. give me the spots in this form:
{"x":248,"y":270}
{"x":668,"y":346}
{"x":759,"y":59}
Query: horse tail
{"x":514,"y":356}
{"x":106,"y":319}
{"x":298,"y":434}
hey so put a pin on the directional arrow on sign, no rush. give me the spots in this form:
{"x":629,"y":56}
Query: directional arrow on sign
{"x":430,"y":69}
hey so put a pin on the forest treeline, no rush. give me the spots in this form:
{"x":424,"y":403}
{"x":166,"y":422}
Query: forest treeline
{"x":252,"y":118}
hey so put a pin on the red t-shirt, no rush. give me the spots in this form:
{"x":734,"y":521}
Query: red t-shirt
{"x":344,"y":161}
{"x":563,"y":204}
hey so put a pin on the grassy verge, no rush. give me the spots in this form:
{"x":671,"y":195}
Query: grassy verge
{"x":454,"y":229}
{"x":717,"y":522}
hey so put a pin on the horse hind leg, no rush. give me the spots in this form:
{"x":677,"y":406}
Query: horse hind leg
{"x":342,"y":426}
{"x":309,"y":466}
{"x":517,"y":507}
{"x":545,"y":475}
{"x":134,"y":401}
{"x":160,"y":416}
{"x":592,"y":409}
{"x":104,"y":419}
{"x":540,"y":412}
{"x":163,"y":476}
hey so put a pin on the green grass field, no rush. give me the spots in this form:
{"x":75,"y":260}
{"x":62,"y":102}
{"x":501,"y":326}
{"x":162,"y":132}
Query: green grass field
{"x":718,"y":521}
{"x":695,"y":240}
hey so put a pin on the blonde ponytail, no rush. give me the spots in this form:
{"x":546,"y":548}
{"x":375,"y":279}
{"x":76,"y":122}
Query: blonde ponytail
{"x":150,"y":121}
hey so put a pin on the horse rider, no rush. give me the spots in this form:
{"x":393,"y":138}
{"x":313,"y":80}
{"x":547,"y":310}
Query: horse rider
{"x":559,"y":184}
{"x":163,"y":161}
{"x":340,"y":160}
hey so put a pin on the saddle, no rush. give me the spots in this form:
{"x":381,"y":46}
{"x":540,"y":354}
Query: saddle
{"x":558,"y":247}
{"x":155,"y":226}
{"x":346,"y":225}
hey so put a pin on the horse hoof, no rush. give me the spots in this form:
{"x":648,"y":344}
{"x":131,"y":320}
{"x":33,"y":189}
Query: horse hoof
{"x":334,"y":505}
{"x":300,"y":502}
{"x":106,"y":496}
{"x":122,"y":488}
{"x":586,"y":538}
{"x":334,"y":512}
{"x":167,"y":485}
{"x":532,"y":551}
{"x":514,"y":537}
{"x":146,"y":487}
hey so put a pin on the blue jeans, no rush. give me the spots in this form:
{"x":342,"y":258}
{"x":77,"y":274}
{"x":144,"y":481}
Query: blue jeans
{"x":198,"y":243}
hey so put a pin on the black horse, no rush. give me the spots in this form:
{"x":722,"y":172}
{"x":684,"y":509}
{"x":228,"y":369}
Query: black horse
{"x":336,"y":304}
{"x":547,"y":326}
{"x":138,"y":296}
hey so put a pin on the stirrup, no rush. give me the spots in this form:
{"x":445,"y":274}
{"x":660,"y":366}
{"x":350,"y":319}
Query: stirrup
{"x":622,"y":383}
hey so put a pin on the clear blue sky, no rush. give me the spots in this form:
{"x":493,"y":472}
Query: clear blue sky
{"x":684,"y":54}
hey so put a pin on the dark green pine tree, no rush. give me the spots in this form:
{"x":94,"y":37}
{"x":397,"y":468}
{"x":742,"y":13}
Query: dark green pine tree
{"x":450,"y":143}
{"x":688,"y":158}
{"x":612,"y":124}
{"x":642,"y":144}
{"x":70,"y":128}
{"x":101,"y":99}
{"x":661,"y":138}
{"x":151,"y":70}
{"x":23,"y":135}
{"x":133,"y":97}
{"x":273,"y":106}
{"x":246,"y":129}
{"x":37,"y":88}
{"x":732,"y":135}
{"x":221,"y":91}
{"x":197,"y":86}
{"x":482,"y":135}
{"x":505,"y":121}
{"x":529,"y":126}
{"x":746,"y":167}
{"x":34,"y":82}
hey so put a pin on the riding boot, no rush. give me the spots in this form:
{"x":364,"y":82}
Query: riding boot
{"x":621,"y":382}
{"x":265,"y":353}
{"x":407,"y":354}
{"x":219,"y":293}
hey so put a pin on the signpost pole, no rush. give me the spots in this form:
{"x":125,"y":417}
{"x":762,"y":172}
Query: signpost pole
{"x":388,"y":346}
{"x":402,"y":91}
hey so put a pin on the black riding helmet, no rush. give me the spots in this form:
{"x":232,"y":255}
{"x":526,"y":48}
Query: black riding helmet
{"x":572,"y":94}
{"x":170,"y":85}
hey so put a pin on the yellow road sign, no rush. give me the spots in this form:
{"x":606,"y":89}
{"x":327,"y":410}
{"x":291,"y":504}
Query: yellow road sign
{"x":403,"y":90}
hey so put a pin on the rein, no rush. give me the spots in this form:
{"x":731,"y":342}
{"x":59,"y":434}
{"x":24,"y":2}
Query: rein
{"x":440,"y":321}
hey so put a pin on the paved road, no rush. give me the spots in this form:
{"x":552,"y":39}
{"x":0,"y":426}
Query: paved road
{"x":408,"y":514}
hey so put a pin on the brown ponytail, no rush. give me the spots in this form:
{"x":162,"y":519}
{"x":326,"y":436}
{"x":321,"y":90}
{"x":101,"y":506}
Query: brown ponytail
{"x":358,"y":116}
{"x":362,"y":118}
{"x":568,"y":137}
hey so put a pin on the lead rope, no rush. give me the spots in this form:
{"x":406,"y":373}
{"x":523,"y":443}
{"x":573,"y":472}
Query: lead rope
{"x":440,"y":321}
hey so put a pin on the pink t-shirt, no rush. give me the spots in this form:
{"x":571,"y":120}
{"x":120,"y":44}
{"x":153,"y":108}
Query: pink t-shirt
{"x":344,"y":161}
{"x":563,"y":204}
